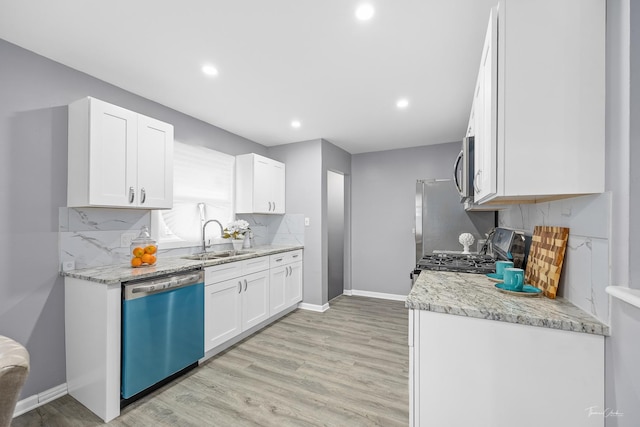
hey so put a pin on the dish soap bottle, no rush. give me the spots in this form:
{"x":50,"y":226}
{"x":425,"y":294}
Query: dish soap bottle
{"x":143,"y":249}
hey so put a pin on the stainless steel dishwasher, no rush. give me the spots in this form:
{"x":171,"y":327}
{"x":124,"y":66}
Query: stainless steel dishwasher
{"x":162,"y":331}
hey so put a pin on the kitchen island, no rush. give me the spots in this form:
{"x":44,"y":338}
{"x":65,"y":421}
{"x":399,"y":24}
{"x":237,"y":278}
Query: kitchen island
{"x":484,"y":358}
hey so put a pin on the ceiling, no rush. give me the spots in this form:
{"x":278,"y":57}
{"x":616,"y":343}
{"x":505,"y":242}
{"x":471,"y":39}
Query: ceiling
{"x":277,"y":61}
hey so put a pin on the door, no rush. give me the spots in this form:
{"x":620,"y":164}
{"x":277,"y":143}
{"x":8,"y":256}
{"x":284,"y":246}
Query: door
{"x":336,"y":234}
{"x":223,"y":312}
{"x":277,"y":284}
{"x":262,"y":185}
{"x":113,"y":152}
{"x":293,"y":290}
{"x":155,"y":164}
{"x":486,"y":142}
{"x":278,"y":187}
{"x":255,"y":299}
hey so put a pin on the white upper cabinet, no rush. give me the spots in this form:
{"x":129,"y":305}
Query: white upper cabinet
{"x":260,"y":185}
{"x":539,"y":104}
{"x":118,"y":158}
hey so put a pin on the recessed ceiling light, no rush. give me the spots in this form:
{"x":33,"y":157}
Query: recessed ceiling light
{"x":364,"y":12}
{"x":402,"y":103}
{"x":210,"y":70}
{"x":296,"y":124}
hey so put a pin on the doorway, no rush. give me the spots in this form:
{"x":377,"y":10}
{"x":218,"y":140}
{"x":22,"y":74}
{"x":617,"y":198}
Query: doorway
{"x":336,"y":233}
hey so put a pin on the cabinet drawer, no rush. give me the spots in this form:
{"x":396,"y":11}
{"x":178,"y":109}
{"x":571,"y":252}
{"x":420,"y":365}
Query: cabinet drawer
{"x":255,"y":264}
{"x":285,"y":258}
{"x":222,"y":272}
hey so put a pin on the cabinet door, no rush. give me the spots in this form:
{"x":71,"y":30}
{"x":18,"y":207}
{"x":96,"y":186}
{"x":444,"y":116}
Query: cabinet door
{"x":485,"y":178}
{"x":112,"y":154}
{"x":277,"y":289}
{"x":222,"y":312}
{"x":255,"y":299}
{"x":278,"y":187}
{"x":155,"y":164}
{"x":293,"y":289}
{"x":262,"y":185}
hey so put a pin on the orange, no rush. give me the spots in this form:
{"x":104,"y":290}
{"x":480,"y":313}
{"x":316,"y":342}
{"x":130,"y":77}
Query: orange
{"x":151,"y":249}
{"x":148,"y":259}
{"x":136,"y":262}
{"x":138,"y":252}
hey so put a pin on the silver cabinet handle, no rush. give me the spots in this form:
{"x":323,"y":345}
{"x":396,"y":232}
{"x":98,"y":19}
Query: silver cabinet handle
{"x":476,"y":180}
{"x":278,"y":259}
{"x":274,"y":206}
{"x":290,"y":270}
{"x":286,"y":272}
{"x":295,"y":256}
{"x":239,"y":286}
{"x":269,"y":206}
{"x":245,"y":285}
{"x":143,"y":195}
{"x":132,"y":194}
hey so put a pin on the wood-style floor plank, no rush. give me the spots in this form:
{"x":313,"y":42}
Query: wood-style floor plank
{"x":347,"y":366}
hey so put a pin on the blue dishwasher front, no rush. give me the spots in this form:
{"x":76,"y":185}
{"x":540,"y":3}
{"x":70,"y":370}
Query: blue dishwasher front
{"x":162,"y":329}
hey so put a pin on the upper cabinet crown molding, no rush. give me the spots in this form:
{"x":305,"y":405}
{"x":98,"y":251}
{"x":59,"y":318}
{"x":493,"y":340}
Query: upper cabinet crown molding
{"x":260,"y":185}
{"x":539,"y":104}
{"x":118,"y":158}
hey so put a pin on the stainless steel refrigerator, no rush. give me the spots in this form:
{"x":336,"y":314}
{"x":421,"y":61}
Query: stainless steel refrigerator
{"x":441,"y":218}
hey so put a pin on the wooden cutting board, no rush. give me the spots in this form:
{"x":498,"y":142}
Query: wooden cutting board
{"x":544,"y":264}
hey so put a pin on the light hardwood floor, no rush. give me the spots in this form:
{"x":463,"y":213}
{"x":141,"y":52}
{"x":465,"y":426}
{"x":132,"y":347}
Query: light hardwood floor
{"x":345,"y":367}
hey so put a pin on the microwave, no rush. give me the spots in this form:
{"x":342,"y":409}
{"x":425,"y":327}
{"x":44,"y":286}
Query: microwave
{"x":463,"y":170}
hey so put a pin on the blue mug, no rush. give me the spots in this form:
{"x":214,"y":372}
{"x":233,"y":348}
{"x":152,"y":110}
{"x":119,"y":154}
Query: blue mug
{"x":501,"y":265}
{"x":513,"y":279}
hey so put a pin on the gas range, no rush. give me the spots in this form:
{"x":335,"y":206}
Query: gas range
{"x":456,"y":262}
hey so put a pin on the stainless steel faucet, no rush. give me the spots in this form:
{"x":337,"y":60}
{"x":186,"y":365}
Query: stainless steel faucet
{"x":204,"y":226}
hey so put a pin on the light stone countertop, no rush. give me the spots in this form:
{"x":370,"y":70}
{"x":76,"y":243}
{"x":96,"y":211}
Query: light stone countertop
{"x":111,"y":274}
{"x":474,"y":295}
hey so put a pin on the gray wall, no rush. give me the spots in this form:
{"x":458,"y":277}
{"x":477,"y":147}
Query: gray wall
{"x":303,"y":189}
{"x":383,"y":213}
{"x":623,"y":148}
{"x":33,"y":174}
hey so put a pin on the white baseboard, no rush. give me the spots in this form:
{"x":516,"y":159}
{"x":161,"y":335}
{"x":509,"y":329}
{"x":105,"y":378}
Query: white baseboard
{"x":380,"y":295}
{"x":347,"y":292}
{"x":32,"y":402}
{"x":314,"y":307}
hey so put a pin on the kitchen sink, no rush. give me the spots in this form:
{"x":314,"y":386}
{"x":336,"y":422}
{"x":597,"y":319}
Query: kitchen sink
{"x":216,"y":255}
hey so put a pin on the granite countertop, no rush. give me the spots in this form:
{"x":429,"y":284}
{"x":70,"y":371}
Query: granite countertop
{"x":111,"y":274}
{"x":474,"y":295}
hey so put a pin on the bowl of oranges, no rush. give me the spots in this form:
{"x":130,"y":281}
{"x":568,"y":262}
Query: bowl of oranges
{"x":144,"y":250}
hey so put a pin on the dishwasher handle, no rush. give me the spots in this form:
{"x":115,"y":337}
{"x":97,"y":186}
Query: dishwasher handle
{"x":140,"y":289}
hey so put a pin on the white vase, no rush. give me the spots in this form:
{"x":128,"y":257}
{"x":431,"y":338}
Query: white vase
{"x":237,"y":244}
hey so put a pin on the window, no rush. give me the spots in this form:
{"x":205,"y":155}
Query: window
{"x":200,"y":175}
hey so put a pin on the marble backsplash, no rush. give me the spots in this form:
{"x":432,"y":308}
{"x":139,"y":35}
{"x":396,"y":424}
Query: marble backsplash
{"x":91,"y":237}
{"x":586,"y":268}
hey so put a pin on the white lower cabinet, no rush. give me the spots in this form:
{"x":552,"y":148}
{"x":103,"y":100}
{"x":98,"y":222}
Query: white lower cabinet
{"x":293,"y":287}
{"x":223,"y":312}
{"x":465,"y":371}
{"x":255,"y":299}
{"x":285,"y":281}
{"x":237,"y":304}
